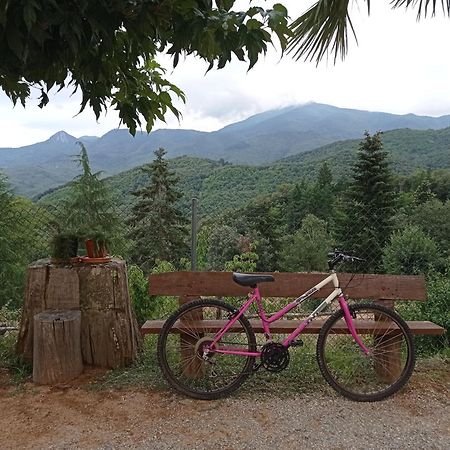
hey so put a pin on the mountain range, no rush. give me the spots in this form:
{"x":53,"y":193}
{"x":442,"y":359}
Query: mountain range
{"x":220,"y":186}
{"x":312,"y":130}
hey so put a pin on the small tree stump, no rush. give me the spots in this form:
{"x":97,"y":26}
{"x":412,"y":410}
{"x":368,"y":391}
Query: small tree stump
{"x":57,"y":346}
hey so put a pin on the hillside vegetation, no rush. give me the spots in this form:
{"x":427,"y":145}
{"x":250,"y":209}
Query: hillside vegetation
{"x":220,"y":185}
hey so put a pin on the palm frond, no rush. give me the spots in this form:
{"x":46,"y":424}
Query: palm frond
{"x":424,"y":7}
{"x":322,"y":28}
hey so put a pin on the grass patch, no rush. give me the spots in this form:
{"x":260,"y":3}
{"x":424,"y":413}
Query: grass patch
{"x":144,"y":373}
{"x":18,"y":371}
{"x":302,"y":376}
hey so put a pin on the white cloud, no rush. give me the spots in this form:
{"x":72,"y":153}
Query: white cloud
{"x":399,"y":66}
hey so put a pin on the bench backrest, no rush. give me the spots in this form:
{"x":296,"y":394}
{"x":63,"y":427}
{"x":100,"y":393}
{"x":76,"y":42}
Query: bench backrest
{"x":362,"y":286}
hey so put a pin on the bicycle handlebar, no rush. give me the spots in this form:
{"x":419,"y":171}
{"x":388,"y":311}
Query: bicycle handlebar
{"x":338,"y":256}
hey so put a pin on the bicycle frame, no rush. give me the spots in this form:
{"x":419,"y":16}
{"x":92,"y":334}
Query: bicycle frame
{"x":255,"y":296}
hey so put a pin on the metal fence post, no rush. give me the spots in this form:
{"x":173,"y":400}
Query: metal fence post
{"x":194,"y":235}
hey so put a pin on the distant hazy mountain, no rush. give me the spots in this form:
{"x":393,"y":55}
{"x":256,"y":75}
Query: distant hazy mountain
{"x":260,"y":139}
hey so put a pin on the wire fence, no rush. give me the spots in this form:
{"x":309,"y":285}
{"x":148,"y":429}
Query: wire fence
{"x":407,"y":251}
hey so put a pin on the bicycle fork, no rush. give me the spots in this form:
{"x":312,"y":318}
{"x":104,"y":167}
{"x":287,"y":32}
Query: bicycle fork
{"x":350,"y":324}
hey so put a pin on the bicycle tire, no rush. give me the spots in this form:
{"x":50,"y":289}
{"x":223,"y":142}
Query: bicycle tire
{"x":201,"y":385}
{"x":375,"y":379}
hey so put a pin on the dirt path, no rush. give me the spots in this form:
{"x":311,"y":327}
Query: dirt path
{"x":78,"y":417}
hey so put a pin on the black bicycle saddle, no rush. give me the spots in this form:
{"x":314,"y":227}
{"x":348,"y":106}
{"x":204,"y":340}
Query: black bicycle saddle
{"x":245,"y":279}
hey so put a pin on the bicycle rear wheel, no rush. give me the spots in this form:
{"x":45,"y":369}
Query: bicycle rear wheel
{"x":349,"y":370}
{"x":183,"y":339}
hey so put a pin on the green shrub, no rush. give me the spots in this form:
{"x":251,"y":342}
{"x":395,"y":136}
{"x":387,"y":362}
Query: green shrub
{"x":18,"y":369}
{"x":435,"y":309}
{"x":245,"y":262}
{"x":163,"y":306}
{"x":138,"y":287}
{"x":410,"y":252}
{"x":307,"y":248}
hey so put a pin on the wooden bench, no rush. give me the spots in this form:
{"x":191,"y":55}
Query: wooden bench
{"x":382,"y":289}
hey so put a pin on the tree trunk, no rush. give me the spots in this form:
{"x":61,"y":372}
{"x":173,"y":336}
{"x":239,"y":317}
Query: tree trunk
{"x":110,"y":334}
{"x":56,"y":346}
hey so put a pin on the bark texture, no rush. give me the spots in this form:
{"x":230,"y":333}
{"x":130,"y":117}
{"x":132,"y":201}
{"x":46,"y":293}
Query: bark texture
{"x":56,"y":346}
{"x":110,"y":334}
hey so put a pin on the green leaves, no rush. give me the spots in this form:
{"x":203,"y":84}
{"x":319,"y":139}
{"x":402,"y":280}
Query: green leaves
{"x":108,"y":49}
{"x":101,"y":46}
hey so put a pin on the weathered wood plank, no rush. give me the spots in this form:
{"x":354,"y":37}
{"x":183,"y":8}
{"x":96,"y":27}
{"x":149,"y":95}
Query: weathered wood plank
{"x":359,"y":286}
{"x":288,"y":326}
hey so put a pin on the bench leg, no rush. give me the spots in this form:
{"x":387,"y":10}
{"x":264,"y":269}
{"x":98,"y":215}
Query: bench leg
{"x":192,"y":365}
{"x":388,"y":357}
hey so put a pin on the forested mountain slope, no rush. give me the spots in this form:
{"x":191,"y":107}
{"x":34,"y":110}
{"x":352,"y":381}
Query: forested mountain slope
{"x":220,"y":185}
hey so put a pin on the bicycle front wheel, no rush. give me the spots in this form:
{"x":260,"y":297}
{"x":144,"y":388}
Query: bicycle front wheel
{"x":349,"y":370}
{"x":181,"y":346}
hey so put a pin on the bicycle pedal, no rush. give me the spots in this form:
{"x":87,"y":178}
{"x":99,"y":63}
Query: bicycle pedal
{"x":297,"y":343}
{"x":256,"y":366}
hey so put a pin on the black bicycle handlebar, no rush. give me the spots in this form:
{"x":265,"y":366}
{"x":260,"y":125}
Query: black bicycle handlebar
{"x":339,"y":256}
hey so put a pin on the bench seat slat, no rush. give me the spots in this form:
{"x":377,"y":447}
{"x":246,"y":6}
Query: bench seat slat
{"x":287,"y":326}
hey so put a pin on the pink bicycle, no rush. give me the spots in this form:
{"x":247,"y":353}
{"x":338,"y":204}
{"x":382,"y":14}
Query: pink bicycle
{"x":208,"y":348}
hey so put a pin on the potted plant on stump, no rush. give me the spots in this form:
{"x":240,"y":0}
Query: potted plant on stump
{"x":64,"y":241}
{"x":96,"y":246}
{"x":90,"y":211}
{"x":64,"y":247}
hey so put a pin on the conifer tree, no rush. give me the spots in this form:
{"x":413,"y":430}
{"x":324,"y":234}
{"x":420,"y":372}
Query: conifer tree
{"x":324,"y":176}
{"x":88,"y":212}
{"x":157,"y":226}
{"x":367,"y":222}
{"x":423,"y":193}
{"x":315,"y":198}
{"x":295,"y":206}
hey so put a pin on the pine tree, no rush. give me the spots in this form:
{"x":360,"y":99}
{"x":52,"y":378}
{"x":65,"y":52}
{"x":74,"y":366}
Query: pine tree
{"x":295,"y":206}
{"x":324,"y":177}
{"x":315,"y":198}
{"x":367,"y":222}
{"x":157,"y":226}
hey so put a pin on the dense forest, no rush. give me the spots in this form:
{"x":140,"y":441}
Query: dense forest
{"x":282,"y":217}
{"x":220,"y":185}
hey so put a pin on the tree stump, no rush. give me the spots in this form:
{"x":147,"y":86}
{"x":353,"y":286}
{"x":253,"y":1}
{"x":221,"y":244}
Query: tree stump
{"x":57,"y":346}
{"x":110,"y":334}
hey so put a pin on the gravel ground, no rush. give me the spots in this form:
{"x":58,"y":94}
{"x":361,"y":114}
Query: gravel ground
{"x":69,"y":417}
{"x":319,"y":422}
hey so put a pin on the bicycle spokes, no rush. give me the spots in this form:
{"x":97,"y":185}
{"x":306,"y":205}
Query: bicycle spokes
{"x":358,"y":375}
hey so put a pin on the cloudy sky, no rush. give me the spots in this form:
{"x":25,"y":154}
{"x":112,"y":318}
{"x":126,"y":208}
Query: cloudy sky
{"x":399,"y":66}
